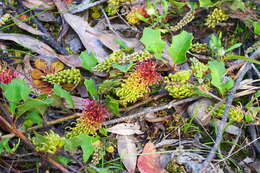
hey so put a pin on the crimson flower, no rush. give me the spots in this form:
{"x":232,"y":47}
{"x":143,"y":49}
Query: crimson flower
{"x":94,"y":112}
{"x":147,"y":69}
{"x":7,"y":76}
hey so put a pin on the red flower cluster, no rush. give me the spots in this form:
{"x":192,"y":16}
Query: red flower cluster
{"x":94,"y":112}
{"x":7,"y":76}
{"x":147,"y":69}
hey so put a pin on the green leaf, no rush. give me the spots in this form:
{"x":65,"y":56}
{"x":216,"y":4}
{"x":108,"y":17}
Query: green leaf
{"x":237,"y":4}
{"x":123,"y":68}
{"x":35,"y":117}
{"x":256,"y":27}
{"x":4,"y":146}
{"x":121,"y":43}
{"x":91,"y":88}
{"x":180,"y":45}
{"x":257,"y":94}
{"x":84,"y":141}
{"x":27,"y":123}
{"x":63,"y":160}
{"x":32,"y":105}
{"x":218,"y":71}
{"x":206,"y":3}
{"x":63,"y":94}
{"x":103,"y":131}
{"x":249,"y":118}
{"x":237,"y":45}
{"x":242,"y":58}
{"x":113,"y":105}
{"x":88,"y":60}
{"x":151,"y":38}
{"x":16,"y":91}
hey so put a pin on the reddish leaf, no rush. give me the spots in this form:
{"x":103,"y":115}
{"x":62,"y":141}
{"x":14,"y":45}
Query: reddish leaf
{"x":41,"y":65}
{"x":40,"y":84}
{"x":149,"y":161}
{"x":56,"y":67}
{"x":37,"y":74}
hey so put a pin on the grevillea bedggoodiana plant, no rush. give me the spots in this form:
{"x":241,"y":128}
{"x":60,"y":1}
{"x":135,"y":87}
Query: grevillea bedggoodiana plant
{"x":90,"y":120}
{"x":7,"y":76}
{"x":184,"y":21}
{"x":199,"y":47}
{"x":235,"y":114}
{"x":50,"y":142}
{"x":45,"y":76}
{"x":199,"y":70}
{"x":216,"y":17}
{"x":178,"y":84}
{"x":119,"y":57}
{"x":137,"y":84}
{"x":69,"y":76}
{"x":132,"y":17}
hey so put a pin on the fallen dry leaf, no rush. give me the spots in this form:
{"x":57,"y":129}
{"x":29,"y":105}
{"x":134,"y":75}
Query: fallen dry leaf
{"x":27,"y":28}
{"x":30,"y":43}
{"x":92,"y":39}
{"x":149,"y":161}
{"x":127,"y":151}
{"x":38,"y":4}
{"x":70,"y":60}
{"x":125,"y":129}
{"x":84,"y":31}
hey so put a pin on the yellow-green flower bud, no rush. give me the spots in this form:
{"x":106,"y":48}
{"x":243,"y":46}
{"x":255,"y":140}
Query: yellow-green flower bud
{"x":69,"y":76}
{"x":199,"y":47}
{"x":178,"y":84}
{"x":48,"y":143}
{"x":119,"y":57}
{"x":184,"y":21}
{"x":215,"y":17}
{"x":235,"y":113}
{"x":198,"y":68}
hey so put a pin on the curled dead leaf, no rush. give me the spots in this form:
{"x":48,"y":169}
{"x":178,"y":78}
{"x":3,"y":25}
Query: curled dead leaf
{"x":36,"y":74}
{"x":125,"y":129}
{"x":127,"y":151}
{"x":38,"y":4}
{"x":41,"y":65}
{"x":56,"y":67}
{"x":27,"y":27}
{"x":30,"y":43}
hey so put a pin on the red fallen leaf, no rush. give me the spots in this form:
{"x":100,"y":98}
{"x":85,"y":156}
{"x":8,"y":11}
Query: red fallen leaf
{"x":149,"y":161}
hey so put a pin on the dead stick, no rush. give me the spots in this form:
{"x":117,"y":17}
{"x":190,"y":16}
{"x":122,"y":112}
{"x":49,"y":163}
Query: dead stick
{"x":150,"y":110}
{"x":143,"y":102}
{"x":47,"y":124}
{"x":230,"y":98}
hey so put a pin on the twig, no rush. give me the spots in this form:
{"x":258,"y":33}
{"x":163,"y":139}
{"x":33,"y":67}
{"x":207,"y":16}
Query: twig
{"x":256,"y":70}
{"x":48,"y":123}
{"x":11,"y":169}
{"x":108,"y":22}
{"x":143,"y":102}
{"x":230,"y":98}
{"x":84,"y":6}
{"x":150,"y":110}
